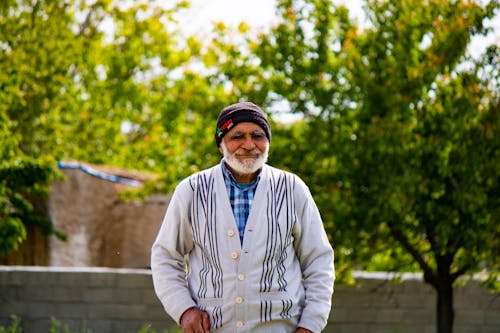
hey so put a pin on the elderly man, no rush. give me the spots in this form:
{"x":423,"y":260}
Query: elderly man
{"x":242,"y":246}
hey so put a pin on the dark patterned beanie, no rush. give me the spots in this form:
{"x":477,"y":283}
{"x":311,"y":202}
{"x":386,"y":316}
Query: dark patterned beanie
{"x":239,"y":113}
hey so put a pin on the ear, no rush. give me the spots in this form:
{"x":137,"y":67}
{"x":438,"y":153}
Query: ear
{"x":220,"y":149}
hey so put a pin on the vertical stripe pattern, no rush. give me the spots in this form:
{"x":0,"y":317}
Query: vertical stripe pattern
{"x":279,"y":221}
{"x":204,"y":226}
{"x":280,"y":207}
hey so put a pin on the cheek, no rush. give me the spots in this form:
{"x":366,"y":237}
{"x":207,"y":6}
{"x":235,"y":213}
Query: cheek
{"x":231,"y":147}
{"x":262,"y":146}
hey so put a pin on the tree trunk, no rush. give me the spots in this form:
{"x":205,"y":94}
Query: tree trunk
{"x":445,"y":312}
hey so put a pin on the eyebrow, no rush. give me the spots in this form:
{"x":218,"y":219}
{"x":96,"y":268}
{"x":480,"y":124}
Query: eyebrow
{"x":256,"y":132}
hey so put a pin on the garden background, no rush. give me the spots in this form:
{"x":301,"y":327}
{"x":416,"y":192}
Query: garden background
{"x":393,"y":124}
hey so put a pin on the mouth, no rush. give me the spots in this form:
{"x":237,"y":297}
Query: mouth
{"x":251,"y":156}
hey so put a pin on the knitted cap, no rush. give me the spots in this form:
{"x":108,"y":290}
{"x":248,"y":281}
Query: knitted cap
{"x":239,"y":113}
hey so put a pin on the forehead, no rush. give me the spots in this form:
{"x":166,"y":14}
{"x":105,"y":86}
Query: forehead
{"x":245,"y":127}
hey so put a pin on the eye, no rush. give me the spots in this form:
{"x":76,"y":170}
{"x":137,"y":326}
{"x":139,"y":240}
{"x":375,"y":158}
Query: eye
{"x":236,"y":136}
{"x":258,"y":135}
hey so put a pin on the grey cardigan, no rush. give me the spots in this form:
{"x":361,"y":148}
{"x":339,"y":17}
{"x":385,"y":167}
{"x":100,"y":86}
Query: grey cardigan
{"x":282,"y":275}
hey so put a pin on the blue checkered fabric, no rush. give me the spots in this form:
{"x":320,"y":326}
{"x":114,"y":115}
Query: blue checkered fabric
{"x":241,"y":197}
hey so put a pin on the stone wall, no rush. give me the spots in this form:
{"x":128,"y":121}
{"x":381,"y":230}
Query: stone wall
{"x":123,"y":300}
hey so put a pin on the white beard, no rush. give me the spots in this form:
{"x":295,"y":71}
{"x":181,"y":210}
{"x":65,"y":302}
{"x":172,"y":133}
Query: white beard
{"x":247,"y":166}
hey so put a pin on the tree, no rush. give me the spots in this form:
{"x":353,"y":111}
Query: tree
{"x":100,"y":82}
{"x":21,"y":179}
{"x":396,"y":140}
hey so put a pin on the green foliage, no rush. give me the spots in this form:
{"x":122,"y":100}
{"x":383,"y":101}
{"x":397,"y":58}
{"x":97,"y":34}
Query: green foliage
{"x":12,"y":233}
{"x":14,"y":326}
{"x":389,"y":120}
{"x":57,"y":327}
{"x":124,"y":96}
{"x":396,"y":140}
{"x":22,"y":180}
{"x":146,"y":329}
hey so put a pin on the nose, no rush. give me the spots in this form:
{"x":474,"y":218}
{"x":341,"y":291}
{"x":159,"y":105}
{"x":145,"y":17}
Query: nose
{"x":249,"y":143}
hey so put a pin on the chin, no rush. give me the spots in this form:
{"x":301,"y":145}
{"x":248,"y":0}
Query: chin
{"x":245,"y":168}
{"x":244,"y":164}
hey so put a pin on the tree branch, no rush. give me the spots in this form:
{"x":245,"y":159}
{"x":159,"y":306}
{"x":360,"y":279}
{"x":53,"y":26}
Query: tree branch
{"x":460,"y":272}
{"x":429,"y":275}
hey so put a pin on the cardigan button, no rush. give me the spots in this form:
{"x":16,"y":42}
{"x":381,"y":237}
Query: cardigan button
{"x":230,"y":233}
{"x":241,"y":277}
{"x":239,"y":324}
{"x":234,"y":255}
{"x":239,"y":300}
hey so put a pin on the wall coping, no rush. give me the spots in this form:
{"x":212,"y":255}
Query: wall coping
{"x":59,"y":269}
{"x":364,"y":275}
{"x":387,"y":275}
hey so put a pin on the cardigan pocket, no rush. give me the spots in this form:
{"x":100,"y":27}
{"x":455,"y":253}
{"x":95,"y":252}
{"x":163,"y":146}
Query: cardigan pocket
{"x":278,"y":304}
{"x":274,"y":295}
{"x":213,"y":306}
{"x":210,"y":301}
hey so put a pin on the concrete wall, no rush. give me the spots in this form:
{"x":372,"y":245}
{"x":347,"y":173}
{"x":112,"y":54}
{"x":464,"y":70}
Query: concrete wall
{"x":122,"y":300}
{"x":99,"y":299}
{"x":102,"y":229}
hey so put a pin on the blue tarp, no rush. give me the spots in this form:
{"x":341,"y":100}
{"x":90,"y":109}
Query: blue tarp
{"x":98,"y":174}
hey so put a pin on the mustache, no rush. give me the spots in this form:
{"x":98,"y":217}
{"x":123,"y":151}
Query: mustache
{"x":243,"y":151}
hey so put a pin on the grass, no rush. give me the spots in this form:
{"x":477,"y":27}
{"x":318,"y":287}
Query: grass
{"x":56,"y":327}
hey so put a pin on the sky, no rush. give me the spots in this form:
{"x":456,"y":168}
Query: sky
{"x":261,"y":13}
{"x":256,"y":13}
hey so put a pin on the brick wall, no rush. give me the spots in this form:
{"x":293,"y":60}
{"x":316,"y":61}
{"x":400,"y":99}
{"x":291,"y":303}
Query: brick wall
{"x":123,"y":300}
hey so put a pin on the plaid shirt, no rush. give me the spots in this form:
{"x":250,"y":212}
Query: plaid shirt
{"x":241,"y":197}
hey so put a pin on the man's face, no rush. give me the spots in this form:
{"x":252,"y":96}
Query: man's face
{"x":245,"y":148}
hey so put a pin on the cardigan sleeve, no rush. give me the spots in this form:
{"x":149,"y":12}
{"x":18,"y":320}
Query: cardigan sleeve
{"x":316,"y":259}
{"x":173,"y":243}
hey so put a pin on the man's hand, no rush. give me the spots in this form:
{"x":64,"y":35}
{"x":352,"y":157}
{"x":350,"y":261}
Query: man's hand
{"x":194,"y":320}
{"x":302,"y":330}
